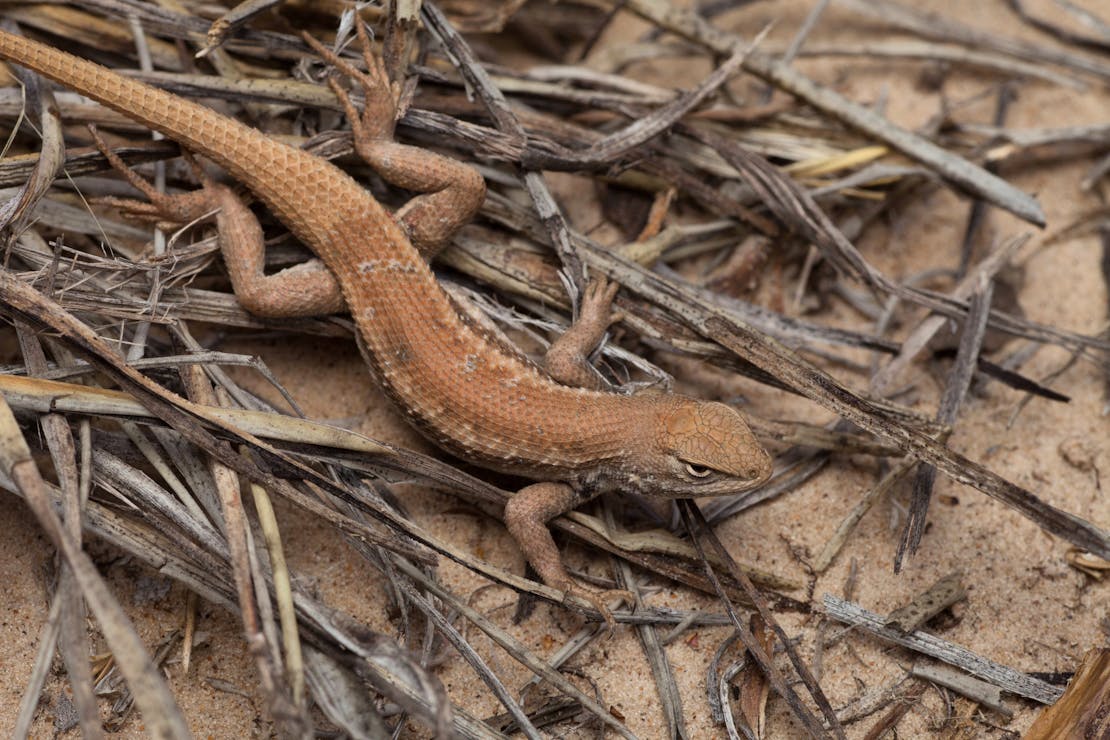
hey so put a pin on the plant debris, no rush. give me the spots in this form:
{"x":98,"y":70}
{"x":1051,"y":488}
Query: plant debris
{"x":735,"y":212}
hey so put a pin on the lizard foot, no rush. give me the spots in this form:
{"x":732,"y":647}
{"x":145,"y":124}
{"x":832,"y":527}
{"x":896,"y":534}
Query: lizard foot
{"x":379,"y":114}
{"x":176,"y":209}
{"x":597,"y":303}
{"x":599,"y":599}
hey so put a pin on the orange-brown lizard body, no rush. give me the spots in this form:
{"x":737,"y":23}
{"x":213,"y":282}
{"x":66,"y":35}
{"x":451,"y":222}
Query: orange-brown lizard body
{"x":461,"y":388}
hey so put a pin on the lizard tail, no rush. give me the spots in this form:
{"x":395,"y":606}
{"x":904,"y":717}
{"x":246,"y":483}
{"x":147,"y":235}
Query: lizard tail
{"x":251,"y":157}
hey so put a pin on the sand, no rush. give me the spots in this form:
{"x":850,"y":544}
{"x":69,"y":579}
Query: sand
{"x":1026,"y":607}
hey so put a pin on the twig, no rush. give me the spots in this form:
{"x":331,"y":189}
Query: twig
{"x":959,"y":171}
{"x":692,"y":515}
{"x":959,"y":380}
{"x":1005,"y":678}
{"x":978,"y":691}
{"x":943,"y":29}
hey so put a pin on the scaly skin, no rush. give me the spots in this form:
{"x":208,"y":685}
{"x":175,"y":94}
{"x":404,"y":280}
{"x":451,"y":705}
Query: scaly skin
{"x":464,"y":390}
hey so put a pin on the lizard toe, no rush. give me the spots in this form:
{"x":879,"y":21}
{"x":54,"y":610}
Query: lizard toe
{"x":601,"y":600}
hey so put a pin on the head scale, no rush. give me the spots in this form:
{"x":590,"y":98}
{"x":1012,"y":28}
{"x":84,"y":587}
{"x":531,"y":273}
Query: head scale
{"x":702,"y":448}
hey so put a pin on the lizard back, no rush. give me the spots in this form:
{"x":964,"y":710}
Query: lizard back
{"x":462,"y":390}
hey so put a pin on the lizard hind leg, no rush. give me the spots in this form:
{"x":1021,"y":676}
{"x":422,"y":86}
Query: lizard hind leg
{"x":308,"y":289}
{"x":177,"y":209}
{"x":451,"y":192}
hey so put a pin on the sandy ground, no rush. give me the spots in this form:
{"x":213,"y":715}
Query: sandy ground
{"x":1026,"y":608}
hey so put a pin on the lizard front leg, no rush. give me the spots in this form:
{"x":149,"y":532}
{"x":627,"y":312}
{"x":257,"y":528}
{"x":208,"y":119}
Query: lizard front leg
{"x":526,"y":516}
{"x":452,"y":192}
{"x":309,"y":289}
{"x":567,"y":359}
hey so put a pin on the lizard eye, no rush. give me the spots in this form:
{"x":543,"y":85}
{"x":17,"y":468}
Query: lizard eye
{"x":698,"y":471}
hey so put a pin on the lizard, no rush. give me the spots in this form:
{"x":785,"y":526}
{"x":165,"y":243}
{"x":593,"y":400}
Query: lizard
{"x":558,"y":426}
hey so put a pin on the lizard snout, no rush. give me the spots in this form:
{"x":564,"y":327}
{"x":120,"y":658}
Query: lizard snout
{"x":714,"y":450}
{"x":760,"y":471}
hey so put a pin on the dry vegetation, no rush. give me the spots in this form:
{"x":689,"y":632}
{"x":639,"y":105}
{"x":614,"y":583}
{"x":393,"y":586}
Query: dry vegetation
{"x":747,"y":217}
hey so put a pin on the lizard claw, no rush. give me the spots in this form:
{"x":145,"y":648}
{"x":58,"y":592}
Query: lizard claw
{"x":600,"y":599}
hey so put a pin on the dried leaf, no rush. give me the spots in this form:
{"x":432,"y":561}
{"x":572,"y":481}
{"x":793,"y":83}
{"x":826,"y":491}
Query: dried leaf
{"x":1084,"y":709}
{"x":754,"y":687}
{"x":941,"y":595}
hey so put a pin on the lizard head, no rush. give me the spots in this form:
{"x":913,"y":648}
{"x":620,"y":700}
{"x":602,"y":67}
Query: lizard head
{"x":700,"y":448}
